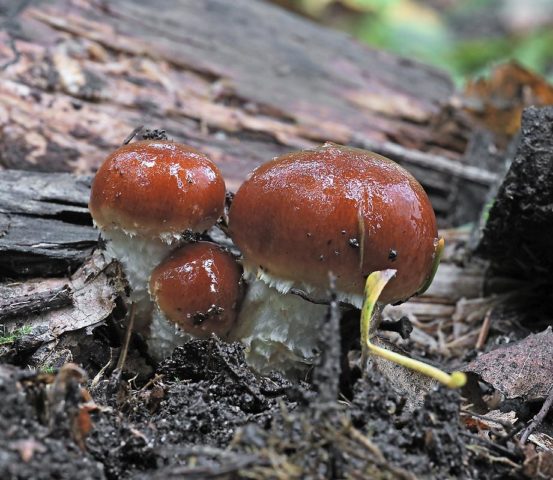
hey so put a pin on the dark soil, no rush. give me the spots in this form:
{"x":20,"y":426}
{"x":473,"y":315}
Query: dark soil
{"x":205,"y":414}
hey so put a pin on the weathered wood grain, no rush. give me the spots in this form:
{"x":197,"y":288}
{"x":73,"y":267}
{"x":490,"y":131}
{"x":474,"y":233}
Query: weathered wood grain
{"x":45,"y":227}
{"x":243,"y":80}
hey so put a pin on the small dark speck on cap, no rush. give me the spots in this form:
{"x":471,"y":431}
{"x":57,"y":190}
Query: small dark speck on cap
{"x":392,"y":255}
{"x":354,"y":242}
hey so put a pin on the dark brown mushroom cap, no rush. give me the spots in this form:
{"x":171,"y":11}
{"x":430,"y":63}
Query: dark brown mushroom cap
{"x":157,"y":188}
{"x":198,"y":288}
{"x":336,"y":209}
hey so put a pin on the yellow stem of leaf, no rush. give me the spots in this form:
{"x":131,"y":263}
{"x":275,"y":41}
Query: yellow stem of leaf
{"x":373,"y":288}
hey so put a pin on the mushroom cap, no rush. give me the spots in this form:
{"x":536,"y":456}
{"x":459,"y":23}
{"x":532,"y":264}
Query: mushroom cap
{"x":338,"y":209}
{"x":198,"y":287}
{"x":157,"y":189}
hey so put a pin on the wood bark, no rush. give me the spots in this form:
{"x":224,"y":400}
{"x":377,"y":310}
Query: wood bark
{"x":45,"y":226}
{"x":243,"y":81}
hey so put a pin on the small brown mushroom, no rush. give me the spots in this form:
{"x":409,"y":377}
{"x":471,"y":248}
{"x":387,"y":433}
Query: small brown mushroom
{"x":157,"y":189}
{"x":197,"y":291}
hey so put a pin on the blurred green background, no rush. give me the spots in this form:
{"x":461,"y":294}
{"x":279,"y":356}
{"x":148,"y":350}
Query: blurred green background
{"x":464,"y":37}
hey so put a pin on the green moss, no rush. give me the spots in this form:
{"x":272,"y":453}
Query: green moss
{"x":13,"y":336}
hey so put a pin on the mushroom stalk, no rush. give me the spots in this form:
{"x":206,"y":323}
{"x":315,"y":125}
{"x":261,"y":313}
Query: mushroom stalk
{"x":138,"y":257}
{"x":164,"y":336}
{"x":279,"y":329}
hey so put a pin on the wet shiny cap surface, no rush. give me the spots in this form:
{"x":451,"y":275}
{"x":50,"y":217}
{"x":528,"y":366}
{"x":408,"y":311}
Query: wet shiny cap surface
{"x":199,"y":288}
{"x":157,"y":187}
{"x":336,"y":209}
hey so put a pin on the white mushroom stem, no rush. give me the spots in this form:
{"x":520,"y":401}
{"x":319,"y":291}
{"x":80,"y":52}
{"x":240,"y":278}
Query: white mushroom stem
{"x":138,"y":257}
{"x":165,"y":336}
{"x":280,"y":331}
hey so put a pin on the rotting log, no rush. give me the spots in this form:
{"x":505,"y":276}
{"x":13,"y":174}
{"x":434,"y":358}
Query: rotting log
{"x":244,"y":81}
{"x":45,"y":226}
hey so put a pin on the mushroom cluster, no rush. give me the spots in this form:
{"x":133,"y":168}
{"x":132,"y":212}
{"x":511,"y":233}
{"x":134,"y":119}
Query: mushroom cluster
{"x":295,"y":219}
{"x":149,"y":198}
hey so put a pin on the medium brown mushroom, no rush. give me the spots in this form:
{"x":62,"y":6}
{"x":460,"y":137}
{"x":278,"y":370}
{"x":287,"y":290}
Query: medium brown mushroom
{"x":197,"y":292}
{"x":146,"y":196}
{"x":331,"y":209}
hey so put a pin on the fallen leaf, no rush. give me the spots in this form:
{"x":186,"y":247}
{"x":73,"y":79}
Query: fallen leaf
{"x":498,"y":101}
{"x":520,"y":370}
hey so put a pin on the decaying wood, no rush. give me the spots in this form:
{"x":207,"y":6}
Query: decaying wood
{"x":92,"y":293}
{"x":244,"y":81}
{"x":45,"y":226}
{"x":517,"y":236}
{"x":28,"y":304}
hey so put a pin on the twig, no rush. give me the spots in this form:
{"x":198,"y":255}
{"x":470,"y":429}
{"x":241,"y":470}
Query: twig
{"x":428,"y":160}
{"x":35,"y":303}
{"x":133,"y":134}
{"x":492,"y":446}
{"x":478,"y":450}
{"x":484,"y":331}
{"x":403,"y":327}
{"x":506,"y":425}
{"x":99,"y":375}
{"x":126,"y":341}
{"x":538,"y":419}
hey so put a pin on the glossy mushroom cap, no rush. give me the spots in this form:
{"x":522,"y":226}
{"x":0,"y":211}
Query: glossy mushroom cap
{"x":157,"y":189}
{"x":199,"y":289}
{"x":336,"y":209}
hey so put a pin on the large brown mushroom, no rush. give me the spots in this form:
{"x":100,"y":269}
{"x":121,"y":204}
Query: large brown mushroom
{"x":331,"y":209}
{"x":146,"y":196}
